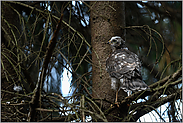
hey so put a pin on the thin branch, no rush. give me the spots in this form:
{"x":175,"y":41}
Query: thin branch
{"x":168,"y":79}
{"x":155,"y":104}
{"x":36,"y":99}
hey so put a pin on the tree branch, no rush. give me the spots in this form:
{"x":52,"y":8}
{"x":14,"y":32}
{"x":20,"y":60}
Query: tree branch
{"x":145,"y":107}
{"x":36,"y":99}
{"x":157,"y":89}
{"x":172,"y":14}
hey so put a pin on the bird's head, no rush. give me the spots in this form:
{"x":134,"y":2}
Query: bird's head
{"x":116,"y":42}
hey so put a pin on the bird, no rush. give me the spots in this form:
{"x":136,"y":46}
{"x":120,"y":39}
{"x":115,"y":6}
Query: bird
{"x":124,"y":68}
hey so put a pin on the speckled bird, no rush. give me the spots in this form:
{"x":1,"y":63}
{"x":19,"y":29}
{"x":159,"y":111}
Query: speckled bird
{"x":124,"y":68}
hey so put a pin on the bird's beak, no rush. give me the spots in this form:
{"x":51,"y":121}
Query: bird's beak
{"x":109,"y":42}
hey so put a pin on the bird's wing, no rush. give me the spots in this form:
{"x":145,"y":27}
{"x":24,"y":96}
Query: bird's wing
{"x":123,"y":63}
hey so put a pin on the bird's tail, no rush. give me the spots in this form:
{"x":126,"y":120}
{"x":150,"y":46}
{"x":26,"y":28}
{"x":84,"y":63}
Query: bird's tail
{"x":133,"y":85}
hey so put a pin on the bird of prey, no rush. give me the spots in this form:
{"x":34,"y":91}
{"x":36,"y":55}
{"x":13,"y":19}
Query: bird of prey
{"x":124,"y":68}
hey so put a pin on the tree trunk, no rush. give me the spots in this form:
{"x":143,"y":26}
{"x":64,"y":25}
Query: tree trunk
{"x":107,"y":20}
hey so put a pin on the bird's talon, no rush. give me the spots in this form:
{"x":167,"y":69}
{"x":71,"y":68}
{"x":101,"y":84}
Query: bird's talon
{"x":117,"y":103}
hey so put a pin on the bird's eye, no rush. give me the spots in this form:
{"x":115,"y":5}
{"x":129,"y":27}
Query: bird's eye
{"x":114,"y":41}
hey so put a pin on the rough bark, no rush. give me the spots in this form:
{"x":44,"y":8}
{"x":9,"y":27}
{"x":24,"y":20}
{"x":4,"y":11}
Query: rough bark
{"x":106,"y":19}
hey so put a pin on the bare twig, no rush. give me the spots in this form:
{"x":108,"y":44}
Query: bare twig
{"x":36,"y":99}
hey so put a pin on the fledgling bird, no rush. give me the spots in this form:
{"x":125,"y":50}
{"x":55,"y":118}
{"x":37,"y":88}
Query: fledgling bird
{"x":124,"y":68}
